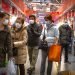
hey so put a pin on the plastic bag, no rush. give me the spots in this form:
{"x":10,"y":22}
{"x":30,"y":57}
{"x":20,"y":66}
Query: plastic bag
{"x":55,"y":53}
{"x":11,"y":70}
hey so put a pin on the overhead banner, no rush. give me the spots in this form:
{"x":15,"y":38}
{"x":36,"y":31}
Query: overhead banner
{"x":66,"y":5}
{"x":20,"y":5}
{"x":5,"y":6}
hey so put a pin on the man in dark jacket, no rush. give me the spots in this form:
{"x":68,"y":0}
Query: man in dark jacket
{"x":34,"y":32}
{"x":65,"y":34}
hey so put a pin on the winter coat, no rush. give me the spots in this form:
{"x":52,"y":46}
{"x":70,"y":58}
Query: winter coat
{"x":20,"y":41}
{"x":65,"y":34}
{"x":34,"y":32}
{"x":50,"y":33}
{"x":5,"y":46}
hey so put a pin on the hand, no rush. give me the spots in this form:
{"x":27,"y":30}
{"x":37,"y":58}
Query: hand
{"x":55,"y":43}
{"x":32,"y":30}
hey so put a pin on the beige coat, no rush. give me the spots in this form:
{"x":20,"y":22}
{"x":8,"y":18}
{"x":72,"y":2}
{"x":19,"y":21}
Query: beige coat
{"x":20,"y":40}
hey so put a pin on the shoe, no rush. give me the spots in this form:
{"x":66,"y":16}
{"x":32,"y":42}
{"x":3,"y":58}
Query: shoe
{"x":29,"y":70}
{"x":33,"y":69}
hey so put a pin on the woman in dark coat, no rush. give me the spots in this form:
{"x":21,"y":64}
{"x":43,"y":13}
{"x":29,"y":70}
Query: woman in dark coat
{"x":5,"y":42}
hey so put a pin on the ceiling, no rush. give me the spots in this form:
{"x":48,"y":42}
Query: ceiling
{"x":51,"y":5}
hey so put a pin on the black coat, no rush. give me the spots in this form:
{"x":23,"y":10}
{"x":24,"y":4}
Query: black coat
{"x":34,"y":32}
{"x":5,"y":46}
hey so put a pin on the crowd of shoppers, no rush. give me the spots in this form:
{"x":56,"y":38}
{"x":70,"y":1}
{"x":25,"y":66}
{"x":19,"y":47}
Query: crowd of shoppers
{"x":20,"y":39}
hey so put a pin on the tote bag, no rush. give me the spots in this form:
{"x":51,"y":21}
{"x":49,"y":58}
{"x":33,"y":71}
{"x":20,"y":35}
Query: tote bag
{"x":54,"y":53}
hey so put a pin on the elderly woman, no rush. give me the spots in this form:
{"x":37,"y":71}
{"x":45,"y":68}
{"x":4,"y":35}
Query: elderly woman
{"x":19,"y":36}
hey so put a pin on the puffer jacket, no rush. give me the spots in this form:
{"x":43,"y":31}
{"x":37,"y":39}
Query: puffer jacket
{"x":20,"y":41}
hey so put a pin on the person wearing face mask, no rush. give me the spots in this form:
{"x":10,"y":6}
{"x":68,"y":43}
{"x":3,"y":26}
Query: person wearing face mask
{"x":20,"y":37}
{"x":5,"y":44}
{"x":51,"y":37}
{"x":34,"y":32}
{"x":65,"y":38}
{"x":6,"y":22}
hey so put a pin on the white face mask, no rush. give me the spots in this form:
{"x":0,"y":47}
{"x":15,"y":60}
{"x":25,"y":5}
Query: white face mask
{"x":6,"y":21}
{"x":18,"y":25}
{"x":31,"y":21}
{"x":47,"y":22}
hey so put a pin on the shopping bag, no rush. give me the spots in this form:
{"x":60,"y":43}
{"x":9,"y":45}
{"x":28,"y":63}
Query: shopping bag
{"x":54,"y":53}
{"x":11,"y":70}
{"x":43,"y":45}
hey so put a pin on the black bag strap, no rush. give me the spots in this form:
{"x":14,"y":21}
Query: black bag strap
{"x":44,"y":36}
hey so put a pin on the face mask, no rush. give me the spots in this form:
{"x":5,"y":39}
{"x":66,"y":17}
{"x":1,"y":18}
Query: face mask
{"x":6,"y":22}
{"x":48,"y":22}
{"x":18,"y":25}
{"x":31,"y":21}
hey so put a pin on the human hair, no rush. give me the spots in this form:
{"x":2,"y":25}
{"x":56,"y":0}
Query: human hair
{"x":2,"y":14}
{"x":22,"y":19}
{"x":32,"y":16}
{"x":49,"y":17}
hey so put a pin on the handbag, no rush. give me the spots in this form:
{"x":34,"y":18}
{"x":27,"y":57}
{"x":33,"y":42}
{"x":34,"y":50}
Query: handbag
{"x":54,"y":53}
{"x":43,"y":43}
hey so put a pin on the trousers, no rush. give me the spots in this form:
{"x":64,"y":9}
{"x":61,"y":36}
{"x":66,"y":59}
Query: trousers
{"x":43,"y":64}
{"x":33,"y":54}
{"x":22,"y":69}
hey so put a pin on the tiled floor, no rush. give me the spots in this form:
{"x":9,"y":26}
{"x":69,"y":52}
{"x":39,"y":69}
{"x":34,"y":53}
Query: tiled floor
{"x":54,"y":70}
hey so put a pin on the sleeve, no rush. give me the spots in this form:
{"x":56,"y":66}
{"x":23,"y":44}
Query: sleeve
{"x":9,"y":45}
{"x":23,"y":41}
{"x":56,"y":32}
{"x":38,"y":32}
{"x":42,"y":31}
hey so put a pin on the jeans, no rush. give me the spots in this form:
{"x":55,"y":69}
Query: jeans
{"x":43,"y":64}
{"x":66,"y":48}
